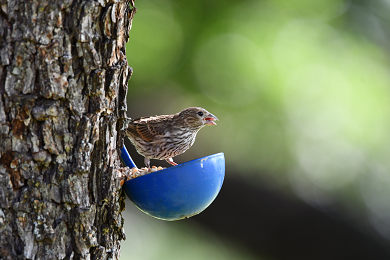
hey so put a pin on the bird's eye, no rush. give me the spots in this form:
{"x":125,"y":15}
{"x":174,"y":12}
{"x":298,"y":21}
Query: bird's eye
{"x":200,"y":113}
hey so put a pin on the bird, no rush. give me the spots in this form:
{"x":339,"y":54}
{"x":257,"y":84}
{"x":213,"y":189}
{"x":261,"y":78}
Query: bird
{"x":166,"y":136}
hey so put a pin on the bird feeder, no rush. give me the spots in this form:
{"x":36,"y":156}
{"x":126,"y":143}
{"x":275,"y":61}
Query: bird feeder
{"x":177,"y":192}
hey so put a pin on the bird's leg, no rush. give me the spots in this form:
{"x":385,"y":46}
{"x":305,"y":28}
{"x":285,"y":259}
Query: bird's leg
{"x":147,"y":162}
{"x":170,"y":161}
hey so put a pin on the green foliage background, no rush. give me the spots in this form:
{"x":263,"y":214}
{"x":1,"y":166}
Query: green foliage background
{"x":301,"y":88}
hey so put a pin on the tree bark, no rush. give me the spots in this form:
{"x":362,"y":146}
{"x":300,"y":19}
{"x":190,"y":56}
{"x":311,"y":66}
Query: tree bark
{"x":63,"y":87}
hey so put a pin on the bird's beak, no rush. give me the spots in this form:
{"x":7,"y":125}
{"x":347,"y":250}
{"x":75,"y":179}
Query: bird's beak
{"x":209,"y":119}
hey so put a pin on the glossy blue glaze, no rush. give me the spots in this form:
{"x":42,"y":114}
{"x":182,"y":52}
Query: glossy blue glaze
{"x":180,"y":191}
{"x":126,"y":158}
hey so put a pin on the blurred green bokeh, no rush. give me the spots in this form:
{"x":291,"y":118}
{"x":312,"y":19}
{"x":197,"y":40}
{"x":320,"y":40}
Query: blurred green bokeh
{"x":301,"y":89}
{"x":151,"y":239}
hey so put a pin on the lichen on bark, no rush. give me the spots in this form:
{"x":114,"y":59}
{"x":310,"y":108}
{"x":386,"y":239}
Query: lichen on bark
{"x":63,"y":87}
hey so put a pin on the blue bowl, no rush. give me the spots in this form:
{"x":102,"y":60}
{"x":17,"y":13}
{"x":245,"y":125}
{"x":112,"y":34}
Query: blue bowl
{"x":180,"y":191}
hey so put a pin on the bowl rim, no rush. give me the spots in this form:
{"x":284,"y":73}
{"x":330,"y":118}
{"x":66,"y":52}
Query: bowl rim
{"x":180,"y":165}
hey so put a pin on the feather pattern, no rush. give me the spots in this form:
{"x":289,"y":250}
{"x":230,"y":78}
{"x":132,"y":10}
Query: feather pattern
{"x":166,"y":136}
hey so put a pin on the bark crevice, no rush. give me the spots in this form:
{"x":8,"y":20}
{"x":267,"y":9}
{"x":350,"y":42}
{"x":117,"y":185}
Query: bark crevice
{"x":63,"y":88}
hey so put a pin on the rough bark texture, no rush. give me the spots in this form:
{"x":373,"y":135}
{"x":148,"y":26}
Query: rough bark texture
{"x":63,"y":86}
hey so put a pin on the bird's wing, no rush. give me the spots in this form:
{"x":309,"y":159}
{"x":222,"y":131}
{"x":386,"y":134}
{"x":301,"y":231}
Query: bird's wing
{"x":148,"y":128}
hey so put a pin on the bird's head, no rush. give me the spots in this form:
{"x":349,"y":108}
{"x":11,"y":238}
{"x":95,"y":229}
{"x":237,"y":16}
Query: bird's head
{"x":197,"y":117}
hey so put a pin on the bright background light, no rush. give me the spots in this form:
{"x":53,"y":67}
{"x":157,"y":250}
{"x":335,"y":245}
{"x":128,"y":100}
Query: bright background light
{"x":302,"y":92}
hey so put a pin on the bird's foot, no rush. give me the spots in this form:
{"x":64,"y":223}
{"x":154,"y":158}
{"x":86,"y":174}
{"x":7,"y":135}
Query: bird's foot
{"x":170,"y":161}
{"x":147,"y":163}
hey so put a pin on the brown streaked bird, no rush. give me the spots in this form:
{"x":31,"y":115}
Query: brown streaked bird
{"x":164,"y":137}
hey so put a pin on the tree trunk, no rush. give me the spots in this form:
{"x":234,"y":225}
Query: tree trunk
{"x":63,"y":86}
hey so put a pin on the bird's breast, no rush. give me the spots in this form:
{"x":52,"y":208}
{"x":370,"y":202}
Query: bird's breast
{"x":169,"y":145}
